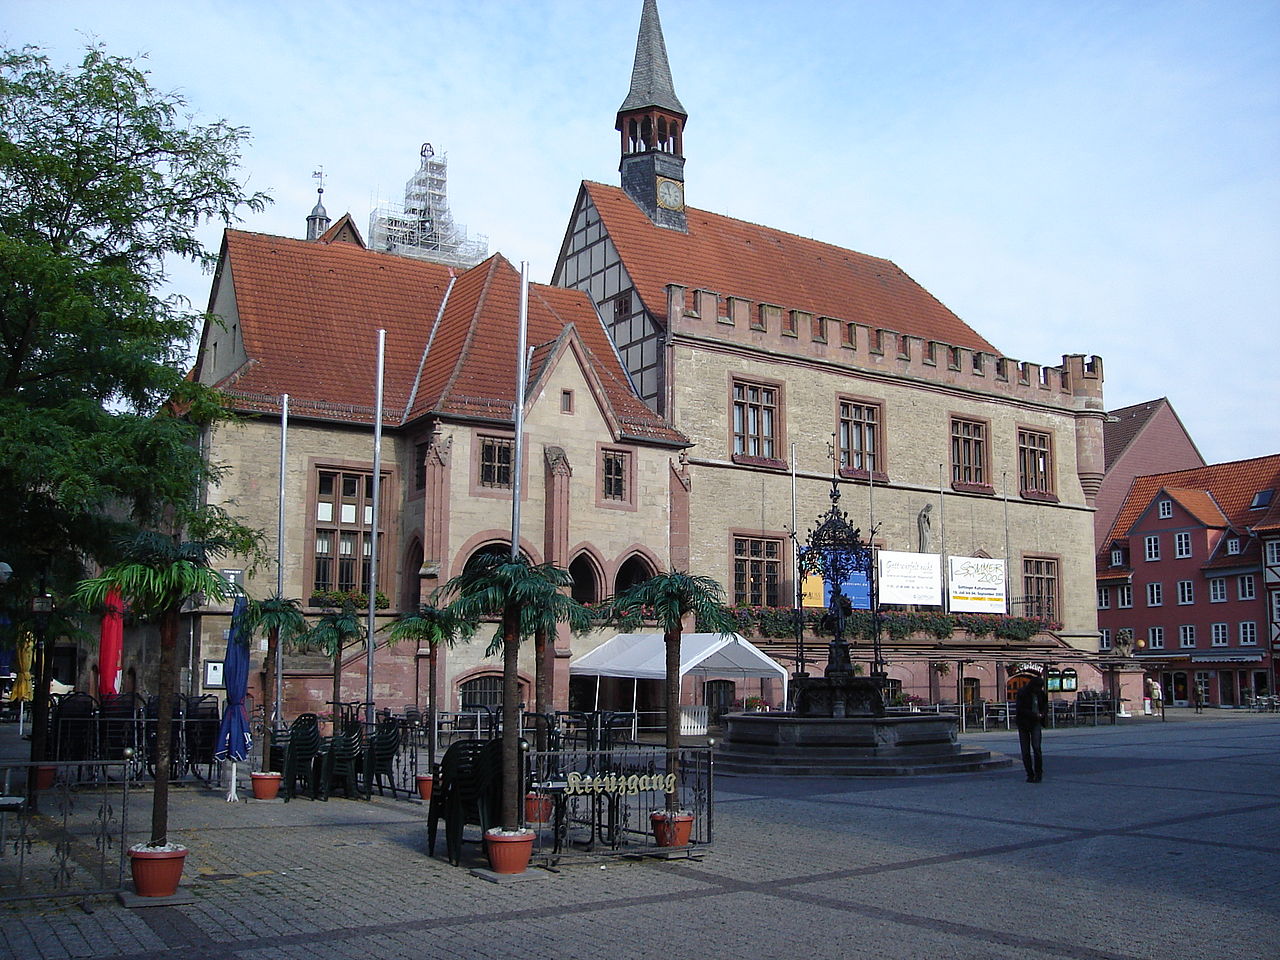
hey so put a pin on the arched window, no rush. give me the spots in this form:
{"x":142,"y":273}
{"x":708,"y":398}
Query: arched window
{"x":586,"y":580}
{"x":635,"y":570}
{"x":412,"y":592}
{"x":488,"y":550}
{"x":482,"y":691}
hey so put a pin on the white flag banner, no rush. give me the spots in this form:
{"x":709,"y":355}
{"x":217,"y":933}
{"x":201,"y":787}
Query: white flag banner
{"x":910,"y":578}
{"x":976,"y":585}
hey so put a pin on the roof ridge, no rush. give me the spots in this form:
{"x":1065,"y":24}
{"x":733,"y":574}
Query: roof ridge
{"x":426,"y":349}
{"x":472,"y":326}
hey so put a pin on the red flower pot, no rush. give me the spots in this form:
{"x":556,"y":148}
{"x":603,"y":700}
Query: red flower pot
{"x":671,"y":829}
{"x":156,"y":872}
{"x":537,"y":808}
{"x":425,"y":783}
{"x":509,"y":853}
{"x":45,"y":776}
{"x":266,"y":786}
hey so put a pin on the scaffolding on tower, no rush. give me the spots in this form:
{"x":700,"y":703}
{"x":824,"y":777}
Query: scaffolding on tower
{"x":422,"y":226}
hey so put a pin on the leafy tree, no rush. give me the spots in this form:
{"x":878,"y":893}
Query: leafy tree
{"x":525,"y":597}
{"x":103,"y":179}
{"x":157,"y":574}
{"x":433,"y":626}
{"x":282,"y":620}
{"x":669,"y":598}
{"x":330,"y":634}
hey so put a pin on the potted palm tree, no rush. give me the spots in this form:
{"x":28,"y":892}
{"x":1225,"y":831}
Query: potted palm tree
{"x":156,"y":575}
{"x":670,"y":599}
{"x":331,"y":633}
{"x":281,"y":619}
{"x":433,"y":626}
{"x":524,"y":597}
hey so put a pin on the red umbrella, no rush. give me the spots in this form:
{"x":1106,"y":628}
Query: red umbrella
{"x":111,"y":645}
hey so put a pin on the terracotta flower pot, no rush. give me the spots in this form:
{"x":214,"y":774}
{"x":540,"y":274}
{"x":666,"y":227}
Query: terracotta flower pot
{"x":671,"y":829}
{"x":156,"y":871}
{"x":266,"y":786}
{"x":538,"y":808}
{"x":509,"y":853}
{"x":45,"y":775}
{"x":425,"y":782}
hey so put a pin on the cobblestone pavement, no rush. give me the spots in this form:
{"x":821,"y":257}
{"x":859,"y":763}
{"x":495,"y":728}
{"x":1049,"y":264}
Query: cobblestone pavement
{"x":1144,"y":840}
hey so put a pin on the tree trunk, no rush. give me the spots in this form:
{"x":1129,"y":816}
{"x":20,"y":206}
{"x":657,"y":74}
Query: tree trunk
{"x":269,"y":712}
{"x":511,"y":786}
{"x":541,"y":684}
{"x":337,"y":685}
{"x":672,"y":639}
{"x":166,"y":685}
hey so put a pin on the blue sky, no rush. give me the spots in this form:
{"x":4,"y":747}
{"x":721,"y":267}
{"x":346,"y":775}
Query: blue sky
{"x":1068,"y":176}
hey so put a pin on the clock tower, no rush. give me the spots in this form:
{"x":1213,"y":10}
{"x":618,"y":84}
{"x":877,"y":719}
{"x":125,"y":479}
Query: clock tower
{"x":651,"y":121}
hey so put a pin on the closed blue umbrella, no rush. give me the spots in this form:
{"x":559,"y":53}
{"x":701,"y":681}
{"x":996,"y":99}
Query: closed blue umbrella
{"x":234,"y":740}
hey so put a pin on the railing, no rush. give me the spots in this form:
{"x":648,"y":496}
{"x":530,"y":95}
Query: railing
{"x":66,"y":839}
{"x":587,"y":804}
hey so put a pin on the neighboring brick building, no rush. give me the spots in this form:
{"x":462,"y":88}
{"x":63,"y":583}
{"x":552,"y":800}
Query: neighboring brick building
{"x":1189,"y":571}
{"x":1141,"y":439}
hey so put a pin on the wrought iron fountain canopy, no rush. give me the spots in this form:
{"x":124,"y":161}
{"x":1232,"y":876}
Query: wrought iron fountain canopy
{"x":836,"y":550}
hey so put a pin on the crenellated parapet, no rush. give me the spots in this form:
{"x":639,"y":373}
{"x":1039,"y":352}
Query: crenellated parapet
{"x":1075,"y":383}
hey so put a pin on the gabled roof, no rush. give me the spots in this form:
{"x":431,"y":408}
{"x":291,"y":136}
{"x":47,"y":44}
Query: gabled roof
{"x":1218,"y":495}
{"x":344,"y":230}
{"x":471,"y":367}
{"x":736,"y":258}
{"x":1200,"y":504}
{"x":1123,"y":426}
{"x":309,"y":313}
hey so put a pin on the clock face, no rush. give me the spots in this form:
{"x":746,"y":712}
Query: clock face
{"x":670,"y":195}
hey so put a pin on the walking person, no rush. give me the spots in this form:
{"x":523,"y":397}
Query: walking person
{"x":1031,"y":709}
{"x":1157,"y":698}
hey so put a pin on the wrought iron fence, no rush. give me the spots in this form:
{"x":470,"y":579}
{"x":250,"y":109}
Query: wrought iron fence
{"x":586,"y":804}
{"x":62,"y":828}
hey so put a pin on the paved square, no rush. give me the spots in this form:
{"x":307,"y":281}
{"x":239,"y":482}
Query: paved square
{"x":1145,"y":840}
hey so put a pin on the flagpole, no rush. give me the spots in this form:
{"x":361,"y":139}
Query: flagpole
{"x":277,"y":693}
{"x":372,"y":585}
{"x":522,"y":376}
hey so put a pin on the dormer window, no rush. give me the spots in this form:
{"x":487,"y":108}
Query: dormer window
{"x":1233,"y":546}
{"x":1164,"y":509}
{"x":1117,"y":557}
{"x":1261,"y":499}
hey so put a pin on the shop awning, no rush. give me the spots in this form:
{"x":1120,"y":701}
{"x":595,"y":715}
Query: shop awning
{"x":642,"y":656}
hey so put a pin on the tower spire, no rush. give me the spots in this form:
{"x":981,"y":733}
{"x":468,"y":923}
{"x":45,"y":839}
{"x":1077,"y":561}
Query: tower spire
{"x":651,"y":121}
{"x":651,"y":84}
{"x":318,"y":219}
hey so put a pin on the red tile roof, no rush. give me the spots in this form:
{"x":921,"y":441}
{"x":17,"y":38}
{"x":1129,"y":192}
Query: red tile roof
{"x":736,"y":258}
{"x":309,"y":313}
{"x":1218,"y":495}
{"x":1200,"y":504}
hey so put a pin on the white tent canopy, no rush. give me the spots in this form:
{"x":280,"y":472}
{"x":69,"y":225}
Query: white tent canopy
{"x":642,"y":656}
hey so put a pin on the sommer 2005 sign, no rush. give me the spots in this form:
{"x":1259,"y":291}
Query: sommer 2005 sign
{"x":976,"y":585}
{"x":910,"y":578}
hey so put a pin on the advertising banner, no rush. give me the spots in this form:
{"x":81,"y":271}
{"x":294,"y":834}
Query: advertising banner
{"x":816,"y":592}
{"x":976,"y":585}
{"x":910,"y":578}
